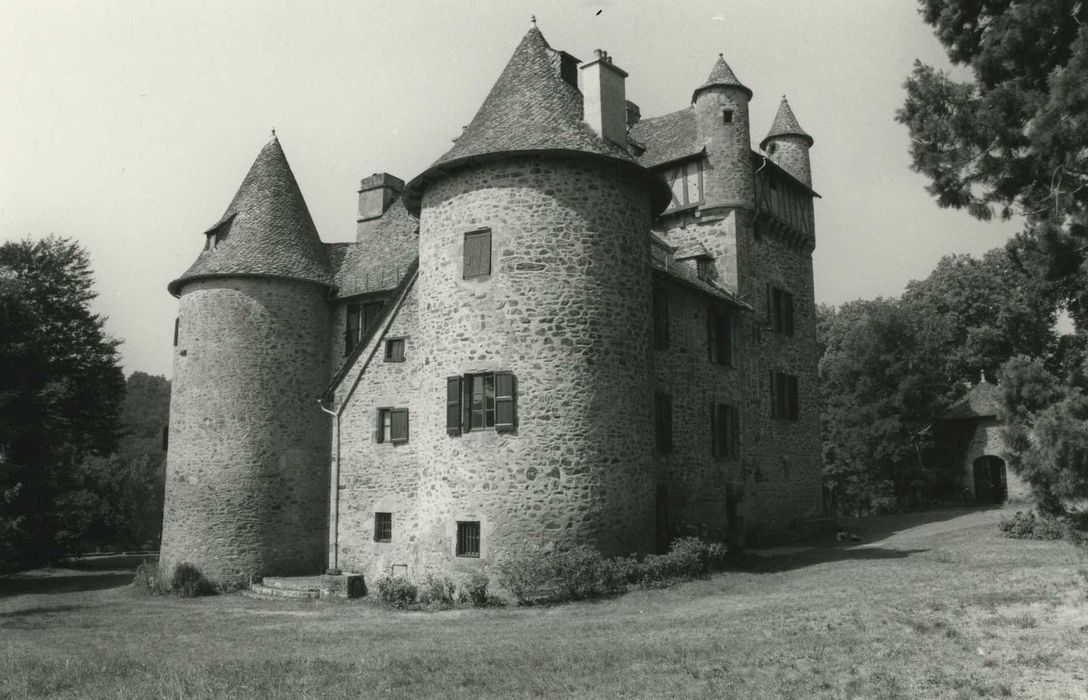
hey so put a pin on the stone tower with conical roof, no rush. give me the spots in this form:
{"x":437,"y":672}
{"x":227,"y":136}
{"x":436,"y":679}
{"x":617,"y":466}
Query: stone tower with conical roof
{"x":787,"y":144}
{"x":247,"y":474}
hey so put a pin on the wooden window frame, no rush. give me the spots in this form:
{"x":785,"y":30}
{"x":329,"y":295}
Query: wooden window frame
{"x":383,"y":527}
{"x":781,"y":310}
{"x":468,"y":539}
{"x":785,"y":399}
{"x":388,"y":426}
{"x":724,"y":431}
{"x":390,"y":344}
{"x":462,"y":410}
{"x":476,"y":269}
{"x":681,"y":171}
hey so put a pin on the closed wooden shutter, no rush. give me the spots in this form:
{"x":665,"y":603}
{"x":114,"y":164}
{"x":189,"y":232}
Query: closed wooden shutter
{"x":505,"y":402}
{"x":787,"y":313}
{"x":453,"y":405}
{"x":734,"y":432}
{"x":477,"y":261}
{"x":712,"y":334}
{"x":379,"y":425}
{"x":663,"y":404}
{"x":793,"y":403}
{"x":398,"y":425}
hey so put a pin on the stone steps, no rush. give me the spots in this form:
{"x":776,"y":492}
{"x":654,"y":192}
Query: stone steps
{"x":260,"y":591}
{"x":306,"y":587}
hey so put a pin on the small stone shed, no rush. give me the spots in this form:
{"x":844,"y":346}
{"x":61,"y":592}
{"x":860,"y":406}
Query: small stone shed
{"x":969,"y":434}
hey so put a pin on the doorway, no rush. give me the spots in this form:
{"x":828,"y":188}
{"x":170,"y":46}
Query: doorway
{"x":991,"y":484}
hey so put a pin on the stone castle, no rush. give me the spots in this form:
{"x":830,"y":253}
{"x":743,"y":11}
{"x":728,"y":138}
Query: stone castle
{"x":577,"y":326}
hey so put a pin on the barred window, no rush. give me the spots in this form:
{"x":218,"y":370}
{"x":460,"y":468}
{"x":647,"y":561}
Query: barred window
{"x":383,"y":527}
{"x":468,"y":538}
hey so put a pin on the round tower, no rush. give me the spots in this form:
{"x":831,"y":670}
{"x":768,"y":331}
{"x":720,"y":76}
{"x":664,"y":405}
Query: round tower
{"x":247,"y":464}
{"x":787,"y":144}
{"x":535,"y":275}
{"x":721,"y":117}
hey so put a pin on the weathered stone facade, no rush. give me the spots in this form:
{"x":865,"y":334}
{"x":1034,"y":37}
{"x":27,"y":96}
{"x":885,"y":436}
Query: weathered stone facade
{"x":560,"y":309}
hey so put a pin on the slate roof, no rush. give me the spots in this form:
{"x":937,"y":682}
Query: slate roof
{"x":530,"y":109}
{"x":983,"y":400}
{"x":269,"y":231}
{"x":380,"y":260}
{"x":785,"y":124}
{"x":667,"y":138}
{"x":721,"y":74}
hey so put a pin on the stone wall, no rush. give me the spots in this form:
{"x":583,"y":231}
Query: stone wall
{"x":567,"y":310}
{"x":985,"y":439}
{"x":247,"y":470}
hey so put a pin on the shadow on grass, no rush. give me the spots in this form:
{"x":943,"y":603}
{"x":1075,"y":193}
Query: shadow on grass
{"x":40,"y":610}
{"x":820,"y":555}
{"x":877,"y":527}
{"x":22,"y":584}
{"x":110,"y":562}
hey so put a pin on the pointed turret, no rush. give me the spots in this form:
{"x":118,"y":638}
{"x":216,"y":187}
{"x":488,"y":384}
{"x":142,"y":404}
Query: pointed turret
{"x":266,"y":231}
{"x":534,"y":107}
{"x":787,"y":144}
{"x":721,"y":76}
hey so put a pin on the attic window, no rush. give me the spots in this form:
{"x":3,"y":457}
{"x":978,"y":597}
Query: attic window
{"x":727,"y":116}
{"x":218,"y":234}
{"x":772,"y":148}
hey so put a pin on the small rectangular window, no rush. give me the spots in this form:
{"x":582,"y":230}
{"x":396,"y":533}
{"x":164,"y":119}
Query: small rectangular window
{"x":725,"y":431}
{"x":394,"y":350}
{"x":661,"y":319}
{"x":727,"y":116}
{"x":468,"y":538}
{"x":177,"y":327}
{"x":780,"y":310}
{"x":383,"y":527}
{"x":477,"y":252}
{"x":392,"y":425}
{"x":480,"y":406}
{"x":720,"y":337}
{"x":785,"y":403}
{"x":662,"y":422}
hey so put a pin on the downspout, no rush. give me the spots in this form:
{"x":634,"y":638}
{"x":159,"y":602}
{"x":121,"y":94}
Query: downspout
{"x":334,"y":495}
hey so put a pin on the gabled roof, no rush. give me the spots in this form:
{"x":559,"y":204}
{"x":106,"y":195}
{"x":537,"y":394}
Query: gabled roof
{"x":785,"y":124}
{"x":983,"y":400}
{"x":721,"y":75}
{"x":378,"y":262}
{"x":667,"y":138}
{"x":531,"y":109}
{"x":268,"y":229}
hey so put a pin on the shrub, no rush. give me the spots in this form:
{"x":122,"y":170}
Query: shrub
{"x":149,"y":579}
{"x":688,"y":557}
{"x":437,"y":591}
{"x":474,"y":591}
{"x":396,"y":591}
{"x":188,"y":582}
{"x":1026,"y":526}
{"x":580,"y":572}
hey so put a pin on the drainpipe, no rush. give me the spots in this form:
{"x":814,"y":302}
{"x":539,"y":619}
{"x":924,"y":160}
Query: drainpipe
{"x":334,"y":495}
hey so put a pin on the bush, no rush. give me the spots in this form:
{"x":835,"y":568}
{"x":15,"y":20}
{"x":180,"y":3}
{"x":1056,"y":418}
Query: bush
{"x":1026,"y":526}
{"x":149,"y":579}
{"x":581,"y":572}
{"x":474,"y":591}
{"x":688,"y":557}
{"x":437,"y":592}
{"x":188,"y":582}
{"x":396,"y":591}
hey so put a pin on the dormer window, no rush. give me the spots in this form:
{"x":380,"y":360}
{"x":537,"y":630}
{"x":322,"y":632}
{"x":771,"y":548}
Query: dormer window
{"x":217,"y":234}
{"x":686,"y":182}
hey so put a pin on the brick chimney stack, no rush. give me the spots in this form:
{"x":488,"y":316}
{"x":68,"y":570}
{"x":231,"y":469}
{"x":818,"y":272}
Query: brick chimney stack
{"x":604,"y":98}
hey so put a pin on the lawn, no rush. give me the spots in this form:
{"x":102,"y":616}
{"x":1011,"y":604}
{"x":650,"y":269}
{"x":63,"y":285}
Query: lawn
{"x":926,"y":605}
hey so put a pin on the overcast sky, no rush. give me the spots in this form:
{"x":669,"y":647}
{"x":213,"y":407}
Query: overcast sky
{"x":128,"y":126}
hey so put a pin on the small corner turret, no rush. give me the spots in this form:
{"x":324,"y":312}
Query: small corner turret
{"x":721,"y":118}
{"x":787,"y":144}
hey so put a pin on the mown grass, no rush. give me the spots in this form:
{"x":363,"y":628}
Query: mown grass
{"x":937,"y":605}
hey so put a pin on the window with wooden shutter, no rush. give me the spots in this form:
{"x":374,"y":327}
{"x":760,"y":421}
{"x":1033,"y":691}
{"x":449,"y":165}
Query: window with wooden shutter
{"x":481,"y":401}
{"x":780,"y":310}
{"x":453,"y":405}
{"x":720,"y":337}
{"x":351,"y":328}
{"x":505,"y":402}
{"x":787,"y":313}
{"x":661,"y":319}
{"x":398,"y":425}
{"x":477,"y":252}
{"x":784,"y":399}
{"x":663,"y":422}
{"x":382,"y":426}
{"x":725,"y":426}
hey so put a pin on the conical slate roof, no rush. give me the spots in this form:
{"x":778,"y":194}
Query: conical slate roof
{"x":530,"y":109}
{"x":785,"y":124}
{"x":721,"y":74}
{"x":266,"y":230}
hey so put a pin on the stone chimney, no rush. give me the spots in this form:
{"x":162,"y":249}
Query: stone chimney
{"x":605,"y":99}
{"x":376,"y":193}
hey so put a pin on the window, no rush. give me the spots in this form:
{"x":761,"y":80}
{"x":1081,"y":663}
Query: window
{"x":661,"y":319}
{"x":383,"y":527}
{"x":780,"y":310}
{"x":720,"y":337}
{"x":724,"y":430}
{"x":686,"y":181}
{"x":392,"y":425}
{"x":477,"y":254}
{"x":177,"y":327}
{"x":481,"y":401}
{"x":663,"y":422}
{"x":394,"y":350}
{"x":468,"y":538}
{"x":727,"y":116}
{"x":360,"y":319}
{"x":784,"y":402}
{"x":704,"y":267}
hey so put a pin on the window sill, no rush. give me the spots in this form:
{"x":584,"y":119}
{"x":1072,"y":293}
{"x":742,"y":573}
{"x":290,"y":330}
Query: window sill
{"x":391,"y":360}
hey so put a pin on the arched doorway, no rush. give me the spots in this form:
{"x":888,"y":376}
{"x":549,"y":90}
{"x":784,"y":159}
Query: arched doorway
{"x":991,"y":485}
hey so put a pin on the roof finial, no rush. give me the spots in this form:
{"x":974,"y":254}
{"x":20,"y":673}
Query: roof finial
{"x":532,"y":19}
{"x":273,"y":135}
{"x":982,"y":376}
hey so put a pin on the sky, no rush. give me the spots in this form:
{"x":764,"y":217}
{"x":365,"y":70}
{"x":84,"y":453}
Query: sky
{"x":128,"y":126}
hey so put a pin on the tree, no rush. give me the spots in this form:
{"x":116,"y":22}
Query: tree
{"x":60,"y":391}
{"x":1013,"y":139}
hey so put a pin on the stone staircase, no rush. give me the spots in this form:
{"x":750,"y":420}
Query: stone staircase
{"x":306,"y":587}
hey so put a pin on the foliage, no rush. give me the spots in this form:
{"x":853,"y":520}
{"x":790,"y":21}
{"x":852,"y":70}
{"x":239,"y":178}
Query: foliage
{"x":540,"y":576}
{"x":1011,"y":139}
{"x":474,"y":591}
{"x":1026,"y":526}
{"x":438,"y":592}
{"x":188,"y":581}
{"x":60,"y":393}
{"x":396,"y":591}
{"x":149,"y":579}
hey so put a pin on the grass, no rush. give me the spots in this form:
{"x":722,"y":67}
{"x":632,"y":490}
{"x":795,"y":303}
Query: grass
{"x":929,"y":605}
